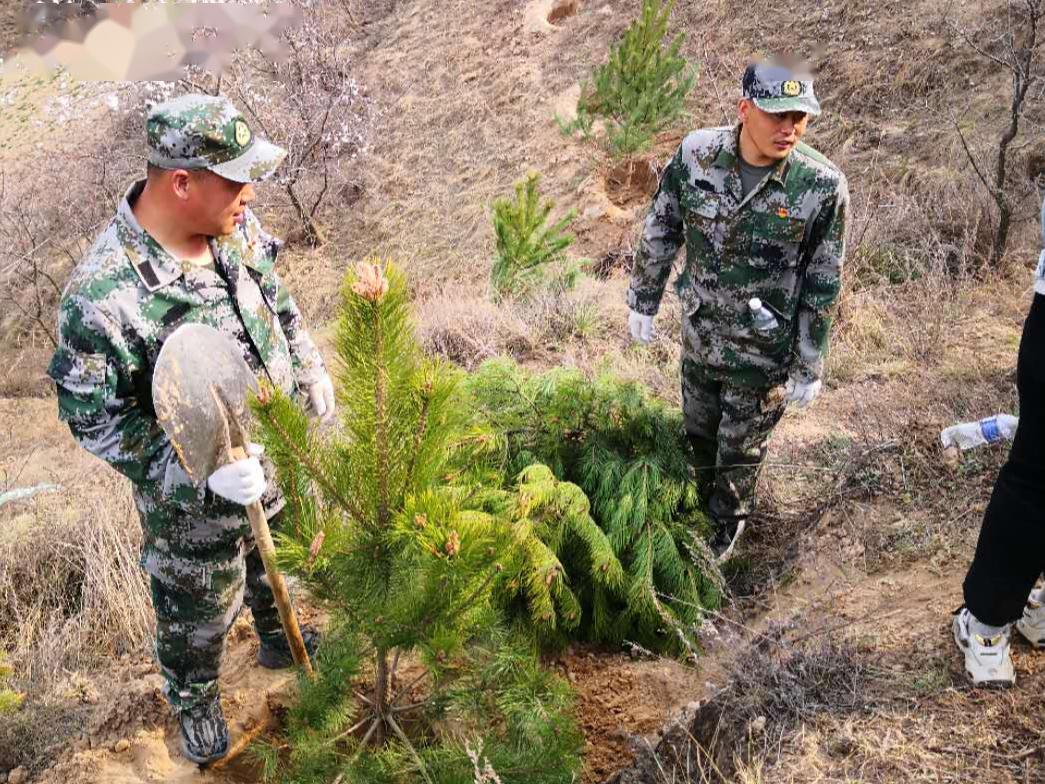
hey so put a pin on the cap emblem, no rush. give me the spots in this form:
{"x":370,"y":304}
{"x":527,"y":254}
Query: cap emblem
{"x":242,"y":133}
{"x":791,"y":88}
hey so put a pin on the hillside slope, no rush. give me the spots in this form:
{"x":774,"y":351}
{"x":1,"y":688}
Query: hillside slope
{"x":837,"y":638}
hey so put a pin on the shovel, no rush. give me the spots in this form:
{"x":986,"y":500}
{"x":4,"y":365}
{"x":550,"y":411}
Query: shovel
{"x":199,"y":391}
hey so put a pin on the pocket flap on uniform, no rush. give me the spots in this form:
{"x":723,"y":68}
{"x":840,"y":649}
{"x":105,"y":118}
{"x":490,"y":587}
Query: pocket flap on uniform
{"x":78,"y":371}
{"x":785,"y":229}
{"x":702,"y":205}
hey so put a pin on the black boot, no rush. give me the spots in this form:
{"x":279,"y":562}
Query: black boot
{"x":275,"y":654}
{"x":204,"y":733}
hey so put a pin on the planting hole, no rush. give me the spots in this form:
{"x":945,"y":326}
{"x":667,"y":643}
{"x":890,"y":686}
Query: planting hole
{"x":631,"y":181}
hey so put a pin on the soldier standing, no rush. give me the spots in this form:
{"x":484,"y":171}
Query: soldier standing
{"x":185,"y":248}
{"x":762,"y":216}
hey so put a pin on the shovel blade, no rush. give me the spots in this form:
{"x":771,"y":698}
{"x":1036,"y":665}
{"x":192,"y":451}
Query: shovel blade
{"x":195,"y":362}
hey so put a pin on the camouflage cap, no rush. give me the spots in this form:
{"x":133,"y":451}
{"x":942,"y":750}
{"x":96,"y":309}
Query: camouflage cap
{"x":776,"y":88}
{"x":208,"y":132}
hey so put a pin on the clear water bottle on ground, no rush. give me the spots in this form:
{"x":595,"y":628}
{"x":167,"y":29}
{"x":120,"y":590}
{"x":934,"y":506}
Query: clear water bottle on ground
{"x":762,"y":317}
{"x":969,"y":435}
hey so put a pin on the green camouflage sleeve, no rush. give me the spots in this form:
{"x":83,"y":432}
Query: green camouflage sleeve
{"x":662,"y":236}
{"x":820,"y":285}
{"x":104,"y":396}
{"x":305,"y":357}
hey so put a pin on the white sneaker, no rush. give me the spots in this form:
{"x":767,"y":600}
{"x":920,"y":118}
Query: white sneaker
{"x":987,"y":659}
{"x":1032,"y":624}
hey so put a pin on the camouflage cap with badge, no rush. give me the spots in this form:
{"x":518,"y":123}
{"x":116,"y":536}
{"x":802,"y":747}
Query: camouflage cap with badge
{"x":208,"y":132}
{"x":777,"y":88}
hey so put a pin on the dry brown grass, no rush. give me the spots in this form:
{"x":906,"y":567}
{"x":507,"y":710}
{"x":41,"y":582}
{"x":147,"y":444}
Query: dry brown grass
{"x":72,"y":590}
{"x":75,"y":600}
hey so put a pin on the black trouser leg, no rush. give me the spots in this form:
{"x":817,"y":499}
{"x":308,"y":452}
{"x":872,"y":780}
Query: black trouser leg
{"x":1010,"y":553}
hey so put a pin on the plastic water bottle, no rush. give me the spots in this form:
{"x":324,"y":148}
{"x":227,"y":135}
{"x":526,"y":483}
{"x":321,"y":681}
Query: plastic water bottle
{"x":762,"y":316}
{"x":987,"y":431}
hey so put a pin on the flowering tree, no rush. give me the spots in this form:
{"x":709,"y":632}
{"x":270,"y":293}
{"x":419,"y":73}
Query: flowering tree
{"x":311,"y":105}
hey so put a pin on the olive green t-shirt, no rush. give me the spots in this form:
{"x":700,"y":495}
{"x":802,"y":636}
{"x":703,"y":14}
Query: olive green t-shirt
{"x":750,"y":176}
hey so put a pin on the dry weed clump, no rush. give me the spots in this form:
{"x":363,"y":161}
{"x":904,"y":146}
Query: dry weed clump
{"x":70,"y":585}
{"x":786,"y":679}
{"x":470,"y":330}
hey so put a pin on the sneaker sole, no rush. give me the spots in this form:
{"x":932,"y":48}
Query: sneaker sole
{"x":986,"y":683}
{"x":1035,"y":643}
{"x":728,"y":552}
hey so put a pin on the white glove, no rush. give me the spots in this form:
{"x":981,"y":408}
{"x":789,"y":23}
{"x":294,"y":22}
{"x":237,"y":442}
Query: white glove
{"x":641,"y":327}
{"x":802,"y":392}
{"x":242,"y":482}
{"x":321,"y":395}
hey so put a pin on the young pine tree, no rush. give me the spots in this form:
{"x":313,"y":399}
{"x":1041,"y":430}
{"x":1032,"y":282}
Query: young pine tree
{"x":642,"y":88}
{"x":417,"y":664}
{"x":627,"y":453}
{"x":530,"y":252}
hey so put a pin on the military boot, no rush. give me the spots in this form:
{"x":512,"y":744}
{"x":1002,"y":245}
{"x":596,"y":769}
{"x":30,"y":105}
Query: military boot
{"x":204,"y":733}
{"x":274,"y":653}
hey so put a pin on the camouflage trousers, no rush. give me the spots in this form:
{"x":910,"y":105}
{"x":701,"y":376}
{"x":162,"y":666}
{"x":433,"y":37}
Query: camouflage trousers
{"x":729,"y":427}
{"x":195,"y":612}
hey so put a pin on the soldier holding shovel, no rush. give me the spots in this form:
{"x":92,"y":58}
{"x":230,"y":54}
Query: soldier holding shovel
{"x":184,"y":248}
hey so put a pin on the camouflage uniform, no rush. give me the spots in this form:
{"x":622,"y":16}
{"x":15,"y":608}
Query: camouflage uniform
{"x":782,"y":243}
{"x":123,"y":300}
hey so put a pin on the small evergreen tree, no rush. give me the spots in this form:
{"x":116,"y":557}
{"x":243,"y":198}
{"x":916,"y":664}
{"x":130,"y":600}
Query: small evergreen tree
{"x":529,"y":251}
{"x":417,"y":664}
{"x":627,"y":452}
{"x":641,"y":90}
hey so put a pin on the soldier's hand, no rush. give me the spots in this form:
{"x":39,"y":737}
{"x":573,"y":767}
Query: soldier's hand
{"x":802,"y":393}
{"x":641,"y":327}
{"x":321,"y":395}
{"x":242,"y":482}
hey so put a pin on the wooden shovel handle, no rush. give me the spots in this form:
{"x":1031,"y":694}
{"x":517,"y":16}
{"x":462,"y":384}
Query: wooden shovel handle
{"x":267,"y":550}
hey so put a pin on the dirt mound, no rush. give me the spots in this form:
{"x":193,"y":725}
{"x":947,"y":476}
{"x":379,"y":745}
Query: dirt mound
{"x":620,"y":700}
{"x":132,"y":738}
{"x":632,"y":181}
{"x":563,"y":9}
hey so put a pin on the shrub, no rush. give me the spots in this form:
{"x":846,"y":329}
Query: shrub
{"x":10,"y":700}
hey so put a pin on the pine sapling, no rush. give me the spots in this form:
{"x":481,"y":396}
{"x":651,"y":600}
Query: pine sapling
{"x":417,"y":661}
{"x":530,"y":251}
{"x":626,"y":451}
{"x":641,"y":90}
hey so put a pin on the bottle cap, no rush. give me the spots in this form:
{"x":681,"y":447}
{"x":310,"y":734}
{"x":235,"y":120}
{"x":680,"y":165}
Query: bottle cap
{"x":754,"y":303}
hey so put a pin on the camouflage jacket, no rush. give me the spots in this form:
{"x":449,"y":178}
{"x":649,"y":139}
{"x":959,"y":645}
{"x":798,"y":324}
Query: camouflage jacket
{"x":123,"y":300}
{"x":784,"y":244}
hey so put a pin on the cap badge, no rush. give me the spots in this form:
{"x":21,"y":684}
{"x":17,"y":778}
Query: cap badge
{"x":791,"y":88}
{"x":242,"y":133}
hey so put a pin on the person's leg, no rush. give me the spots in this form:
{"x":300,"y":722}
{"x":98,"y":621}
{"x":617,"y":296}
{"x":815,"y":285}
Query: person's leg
{"x":748,"y":418}
{"x":1011,"y":546}
{"x":702,"y":414}
{"x":195,"y":604}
